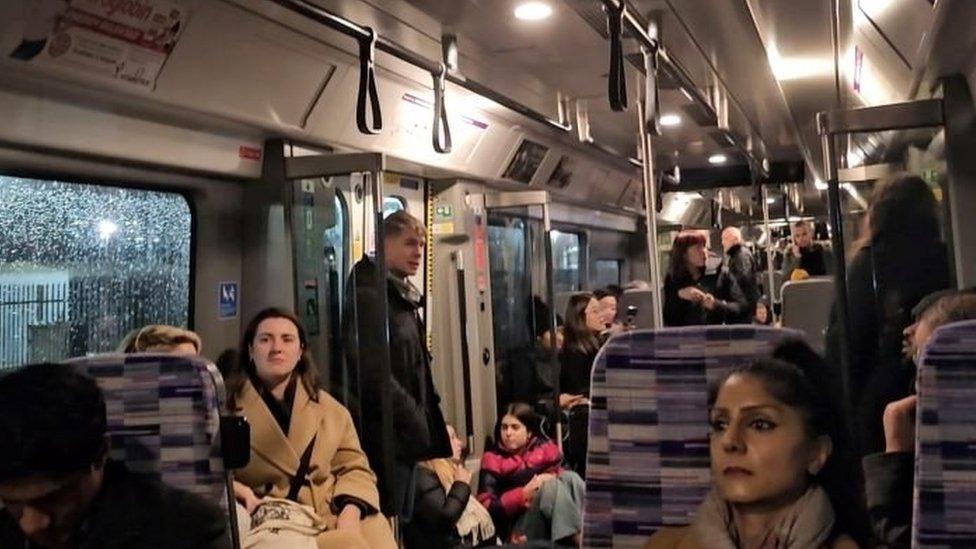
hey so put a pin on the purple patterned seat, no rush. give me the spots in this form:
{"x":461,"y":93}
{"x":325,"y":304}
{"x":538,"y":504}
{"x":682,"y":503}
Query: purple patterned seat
{"x":647,"y":461}
{"x":164,"y":419}
{"x":945,"y":448}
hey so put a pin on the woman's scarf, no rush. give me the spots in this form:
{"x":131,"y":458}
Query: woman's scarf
{"x":807,"y":524}
{"x":475,"y":524}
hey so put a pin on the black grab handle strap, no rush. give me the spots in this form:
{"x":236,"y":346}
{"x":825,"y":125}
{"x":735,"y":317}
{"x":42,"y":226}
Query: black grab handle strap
{"x":441,"y":129}
{"x":301,"y":474}
{"x":618,"y":76}
{"x":369,"y":123}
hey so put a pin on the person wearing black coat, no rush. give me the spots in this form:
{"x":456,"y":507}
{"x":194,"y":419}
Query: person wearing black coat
{"x":58,"y":487}
{"x":901,"y":261}
{"x":417,"y":421}
{"x":685,"y":298}
{"x":737,"y":290}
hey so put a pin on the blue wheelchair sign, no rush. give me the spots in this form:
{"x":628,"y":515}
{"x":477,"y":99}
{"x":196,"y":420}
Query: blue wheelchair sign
{"x":227,"y":300}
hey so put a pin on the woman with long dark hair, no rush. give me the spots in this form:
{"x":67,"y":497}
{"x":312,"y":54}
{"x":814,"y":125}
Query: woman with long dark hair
{"x":523,"y":485}
{"x":686,"y":301}
{"x":581,"y":343}
{"x":274,"y":385}
{"x":901,"y":261}
{"x":783,"y":470}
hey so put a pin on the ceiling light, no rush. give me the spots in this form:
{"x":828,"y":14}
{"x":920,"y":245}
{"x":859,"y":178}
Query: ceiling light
{"x":820,"y":185}
{"x":717,"y":159}
{"x":670,"y":120}
{"x":770,"y":200}
{"x":532,"y":11}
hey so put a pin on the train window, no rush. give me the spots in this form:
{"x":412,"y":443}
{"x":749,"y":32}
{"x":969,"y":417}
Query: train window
{"x":511,"y":295}
{"x":607,"y":273}
{"x":393,"y":204}
{"x":566,"y":251}
{"x":81,"y":265}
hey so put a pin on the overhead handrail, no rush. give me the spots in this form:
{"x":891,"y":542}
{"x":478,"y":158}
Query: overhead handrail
{"x":442,"y":130}
{"x":366,"y":36}
{"x":368,"y":96}
{"x":617,"y":82}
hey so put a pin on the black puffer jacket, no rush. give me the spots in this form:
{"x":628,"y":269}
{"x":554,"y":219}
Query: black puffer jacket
{"x":417,"y":421}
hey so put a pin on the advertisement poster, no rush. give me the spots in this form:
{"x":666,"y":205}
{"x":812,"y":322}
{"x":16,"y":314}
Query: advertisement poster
{"x":125,"y":40}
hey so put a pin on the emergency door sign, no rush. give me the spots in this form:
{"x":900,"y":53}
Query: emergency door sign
{"x":227,"y":296}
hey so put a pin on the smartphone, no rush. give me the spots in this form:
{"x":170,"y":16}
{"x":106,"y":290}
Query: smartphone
{"x":631,"y":315}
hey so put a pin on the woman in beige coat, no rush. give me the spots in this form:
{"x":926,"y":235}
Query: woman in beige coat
{"x":274,"y":386}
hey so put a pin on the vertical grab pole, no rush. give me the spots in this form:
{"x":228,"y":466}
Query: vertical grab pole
{"x":551,"y":320}
{"x":650,"y":215}
{"x":380,"y":361}
{"x":769,"y":253}
{"x":837,"y":243}
{"x":462,"y":295}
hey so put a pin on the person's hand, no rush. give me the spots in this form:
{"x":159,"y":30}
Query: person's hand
{"x":532,"y":487}
{"x":461,"y":474}
{"x":518,"y":539}
{"x":796,"y":251}
{"x":348,"y":520}
{"x":246,"y":497}
{"x":899,"y":425}
{"x":708,"y":302}
{"x":692,"y":294}
{"x":567,"y":401}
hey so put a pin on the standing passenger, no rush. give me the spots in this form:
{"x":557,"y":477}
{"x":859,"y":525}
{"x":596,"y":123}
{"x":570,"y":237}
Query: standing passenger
{"x":275,"y":386}
{"x":737,"y":290}
{"x":686,"y":303}
{"x":902,"y":260}
{"x":418,"y":423}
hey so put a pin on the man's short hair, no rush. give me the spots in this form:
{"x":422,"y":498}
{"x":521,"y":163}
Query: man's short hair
{"x":52,"y":422}
{"x":400,"y":221}
{"x":801,"y":224}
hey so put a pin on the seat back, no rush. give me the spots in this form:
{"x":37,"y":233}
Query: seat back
{"x":644,"y":301}
{"x":806,"y":307}
{"x":945,"y":445}
{"x":647,"y":461}
{"x":164,"y":420}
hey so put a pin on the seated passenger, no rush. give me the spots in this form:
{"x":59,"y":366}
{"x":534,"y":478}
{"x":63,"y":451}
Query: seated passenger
{"x":686,"y":302}
{"x":275,"y":386}
{"x":161,"y":338}
{"x":529,"y":495}
{"x":584,"y":337}
{"x":783,"y":472}
{"x":581,"y":343}
{"x":58,"y":488}
{"x":608,"y":304}
{"x":445,"y":514}
{"x":890,"y":475}
{"x":804,"y":254}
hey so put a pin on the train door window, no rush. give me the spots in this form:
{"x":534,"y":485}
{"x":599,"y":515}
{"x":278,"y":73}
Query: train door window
{"x":393,"y":204}
{"x":511,"y":289}
{"x":81,"y":265}
{"x":607,"y":273}
{"x":335,"y":242}
{"x":567,"y":249}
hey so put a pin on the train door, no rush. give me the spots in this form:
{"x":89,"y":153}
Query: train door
{"x":523,"y":282}
{"x":460,"y":309}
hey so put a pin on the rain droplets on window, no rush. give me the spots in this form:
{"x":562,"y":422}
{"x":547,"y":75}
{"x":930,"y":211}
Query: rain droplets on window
{"x":81,"y":265}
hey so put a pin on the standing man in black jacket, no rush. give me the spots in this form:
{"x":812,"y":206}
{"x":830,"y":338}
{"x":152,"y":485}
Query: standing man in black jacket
{"x":418,"y":423}
{"x":737,"y":291}
{"x":58,"y":489}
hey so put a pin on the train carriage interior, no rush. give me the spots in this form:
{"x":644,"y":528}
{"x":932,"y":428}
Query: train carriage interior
{"x":193,"y":162}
